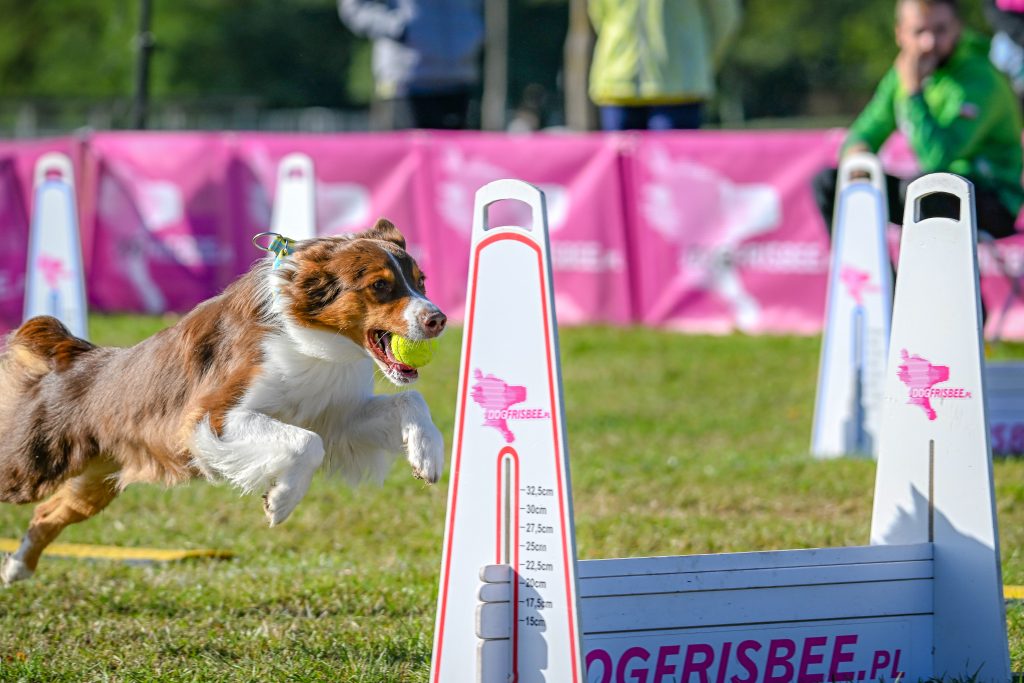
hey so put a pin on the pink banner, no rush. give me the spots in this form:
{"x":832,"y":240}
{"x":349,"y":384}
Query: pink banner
{"x":359,"y":178}
{"x":176,"y":212}
{"x":161,"y":221}
{"x":700,"y":231}
{"x":1002,"y":286}
{"x":579,"y":175}
{"x":726,"y":233}
{"x":17,"y":165}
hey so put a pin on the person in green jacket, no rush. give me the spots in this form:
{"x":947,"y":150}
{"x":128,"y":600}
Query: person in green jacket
{"x":654,"y":60}
{"x":957,"y":111}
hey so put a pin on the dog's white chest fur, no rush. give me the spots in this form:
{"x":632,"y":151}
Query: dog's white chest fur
{"x":323,"y":383}
{"x":303,"y":389}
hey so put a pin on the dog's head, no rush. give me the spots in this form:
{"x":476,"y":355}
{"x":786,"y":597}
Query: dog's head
{"x":365,"y":287}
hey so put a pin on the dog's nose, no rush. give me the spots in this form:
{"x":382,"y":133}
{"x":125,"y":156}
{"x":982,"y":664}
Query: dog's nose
{"x":434,"y":322}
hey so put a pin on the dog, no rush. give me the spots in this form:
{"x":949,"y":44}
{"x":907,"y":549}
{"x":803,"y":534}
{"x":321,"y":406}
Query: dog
{"x":258,"y":386}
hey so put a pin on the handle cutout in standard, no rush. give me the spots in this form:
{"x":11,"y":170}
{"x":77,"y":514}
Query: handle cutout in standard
{"x":862,"y":167}
{"x":510,"y":202}
{"x":939,"y":195}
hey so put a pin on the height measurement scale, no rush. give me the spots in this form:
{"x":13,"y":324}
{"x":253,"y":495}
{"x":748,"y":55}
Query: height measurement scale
{"x":855,"y":342}
{"x":509,"y":431}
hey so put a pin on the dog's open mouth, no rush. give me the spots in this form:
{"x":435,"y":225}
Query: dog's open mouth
{"x":379,"y":343}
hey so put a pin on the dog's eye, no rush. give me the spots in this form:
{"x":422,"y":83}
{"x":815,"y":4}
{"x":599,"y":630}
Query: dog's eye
{"x":422,"y":282}
{"x":380,"y":285}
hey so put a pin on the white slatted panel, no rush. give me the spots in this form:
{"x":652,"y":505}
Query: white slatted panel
{"x":636,"y":566}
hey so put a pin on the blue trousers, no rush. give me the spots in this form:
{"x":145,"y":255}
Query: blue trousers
{"x":654,"y":117}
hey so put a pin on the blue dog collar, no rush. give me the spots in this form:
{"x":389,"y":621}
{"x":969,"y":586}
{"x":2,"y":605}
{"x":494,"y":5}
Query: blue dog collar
{"x":280,"y":246}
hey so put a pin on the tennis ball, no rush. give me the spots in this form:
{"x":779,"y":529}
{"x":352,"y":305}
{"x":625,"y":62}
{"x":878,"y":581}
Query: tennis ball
{"x":412,"y":353}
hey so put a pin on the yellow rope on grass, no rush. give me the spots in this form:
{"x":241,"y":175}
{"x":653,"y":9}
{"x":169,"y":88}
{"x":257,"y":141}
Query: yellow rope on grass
{"x":108,"y":552}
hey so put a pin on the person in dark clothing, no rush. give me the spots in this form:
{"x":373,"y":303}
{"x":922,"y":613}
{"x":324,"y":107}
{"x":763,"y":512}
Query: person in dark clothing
{"x":425,"y":59}
{"x":1006,"y":17}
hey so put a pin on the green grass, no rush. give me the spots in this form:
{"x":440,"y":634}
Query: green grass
{"x":680,"y":444}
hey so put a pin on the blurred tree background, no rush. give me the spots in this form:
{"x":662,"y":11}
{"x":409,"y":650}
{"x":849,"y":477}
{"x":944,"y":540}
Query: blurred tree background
{"x":290,"y":64}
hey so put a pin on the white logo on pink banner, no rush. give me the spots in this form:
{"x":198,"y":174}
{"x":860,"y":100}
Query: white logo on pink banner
{"x":161,"y":204}
{"x":737,"y":212}
{"x":921,"y":376}
{"x":681,"y":196}
{"x":462,"y":175}
{"x":342,"y":207}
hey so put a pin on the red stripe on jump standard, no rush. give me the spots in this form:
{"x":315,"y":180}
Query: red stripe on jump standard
{"x":569,"y":584}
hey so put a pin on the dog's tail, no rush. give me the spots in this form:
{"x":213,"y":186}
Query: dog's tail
{"x":39,"y":347}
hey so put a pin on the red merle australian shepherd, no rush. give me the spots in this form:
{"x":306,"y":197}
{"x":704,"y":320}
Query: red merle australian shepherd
{"x":259,"y":386}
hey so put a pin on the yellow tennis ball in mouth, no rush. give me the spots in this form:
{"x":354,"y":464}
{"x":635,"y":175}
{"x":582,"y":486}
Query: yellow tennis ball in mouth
{"x":415,"y":354}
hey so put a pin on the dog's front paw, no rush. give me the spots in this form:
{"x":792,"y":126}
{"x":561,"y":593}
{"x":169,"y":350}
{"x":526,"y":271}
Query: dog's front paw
{"x":280,"y":501}
{"x":426,"y":452}
{"x":12,"y":570}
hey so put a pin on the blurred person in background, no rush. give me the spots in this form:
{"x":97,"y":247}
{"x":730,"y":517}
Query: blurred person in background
{"x":425,"y":59}
{"x":1007,"y":19}
{"x":655,"y":61}
{"x":957,"y":111}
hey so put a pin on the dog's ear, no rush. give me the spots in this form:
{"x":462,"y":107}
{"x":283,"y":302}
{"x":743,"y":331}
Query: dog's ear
{"x":385,"y":230}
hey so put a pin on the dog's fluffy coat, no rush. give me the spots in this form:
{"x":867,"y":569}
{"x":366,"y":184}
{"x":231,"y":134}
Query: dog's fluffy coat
{"x":258,"y":386}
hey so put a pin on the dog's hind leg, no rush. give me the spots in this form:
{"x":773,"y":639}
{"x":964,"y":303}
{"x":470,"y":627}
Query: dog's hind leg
{"x":254,"y":451}
{"x":77,"y":499}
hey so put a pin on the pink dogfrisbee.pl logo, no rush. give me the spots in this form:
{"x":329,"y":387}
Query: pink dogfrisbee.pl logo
{"x":921,"y":376}
{"x":53,"y":269}
{"x":497,"y":397}
{"x":857,"y":283}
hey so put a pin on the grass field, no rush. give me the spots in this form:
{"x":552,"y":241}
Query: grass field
{"x":680,"y":444}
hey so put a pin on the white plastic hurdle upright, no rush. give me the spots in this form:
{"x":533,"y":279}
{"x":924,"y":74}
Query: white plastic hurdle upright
{"x":509,"y":500}
{"x":855,"y":342}
{"x":54,"y":277}
{"x":924,"y":600}
{"x":294,"y":210}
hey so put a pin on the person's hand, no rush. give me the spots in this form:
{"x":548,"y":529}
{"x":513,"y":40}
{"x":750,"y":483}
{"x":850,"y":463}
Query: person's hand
{"x":912,"y":67}
{"x":857,"y":148}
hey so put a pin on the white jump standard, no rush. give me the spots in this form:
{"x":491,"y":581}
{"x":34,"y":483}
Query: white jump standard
{"x":923,"y":600}
{"x":54,"y":277}
{"x":855,"y":342}
{"x":509,"y":499}
{"x":294,"y":210}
